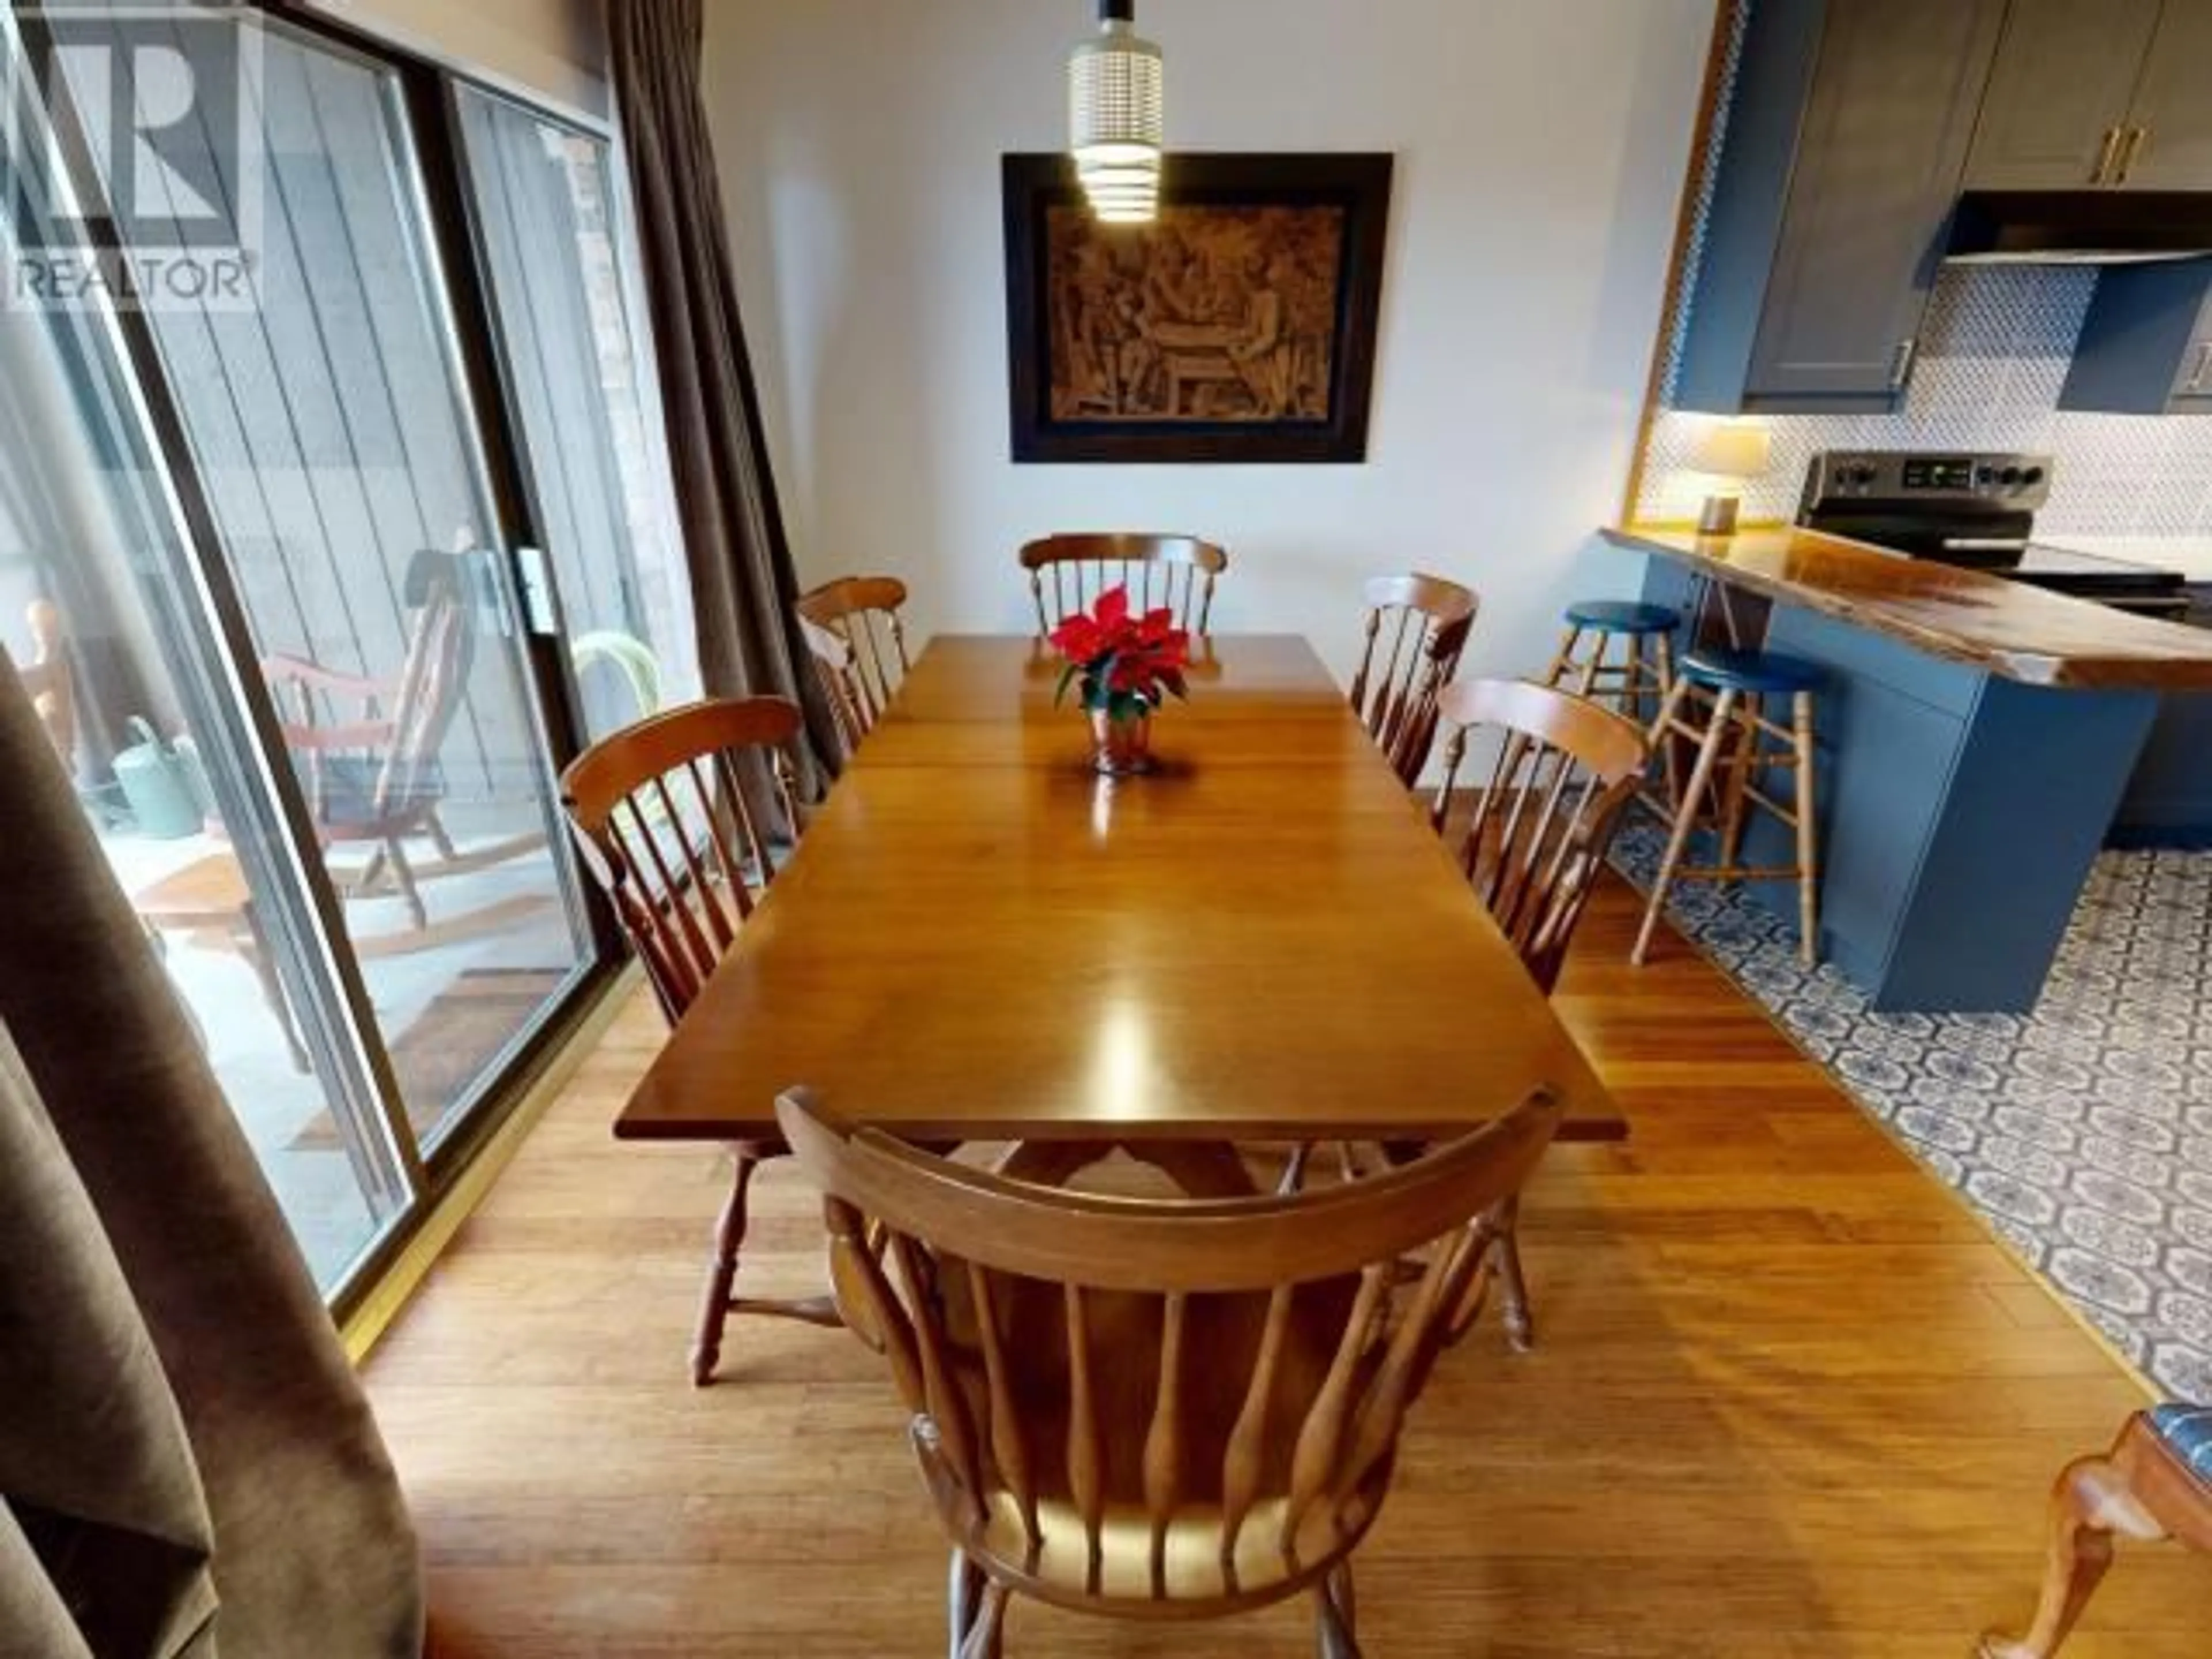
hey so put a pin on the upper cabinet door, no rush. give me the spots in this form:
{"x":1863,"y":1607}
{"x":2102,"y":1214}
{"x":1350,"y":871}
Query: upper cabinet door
{"x":1880,"y":150}
{"x":2058,"y":106}
{"x":2170,"y":147}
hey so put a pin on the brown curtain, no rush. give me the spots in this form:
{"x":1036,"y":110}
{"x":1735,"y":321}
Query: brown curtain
{"x":743,"y":584}
{"x":187,"y":1465}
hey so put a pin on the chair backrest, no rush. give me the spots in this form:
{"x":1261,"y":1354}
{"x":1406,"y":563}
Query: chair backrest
{"x":1565,"y":772}
{"x":672,"y":818}
{"x":1068,"y":572}
{"x":1417,"y":628}
{"x":47,"y":678}
{"x":399,"y":723}
{"x":860,"y":614}
{"x":433,"y":679}
{"x":1164,"y":1407}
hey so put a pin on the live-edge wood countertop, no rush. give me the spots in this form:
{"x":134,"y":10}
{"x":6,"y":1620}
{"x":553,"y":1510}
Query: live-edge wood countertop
{"x":2021,"y":633}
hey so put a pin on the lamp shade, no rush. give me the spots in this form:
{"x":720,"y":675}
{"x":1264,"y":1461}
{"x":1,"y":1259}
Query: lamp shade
{"x":1114,"y":123}
{"x":1730,"y":451}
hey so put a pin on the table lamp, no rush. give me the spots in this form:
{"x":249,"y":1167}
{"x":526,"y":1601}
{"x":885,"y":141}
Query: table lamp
{"x":1729,"y":452}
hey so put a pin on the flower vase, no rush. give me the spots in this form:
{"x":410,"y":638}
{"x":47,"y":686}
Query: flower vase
{"x":1122,"y":745}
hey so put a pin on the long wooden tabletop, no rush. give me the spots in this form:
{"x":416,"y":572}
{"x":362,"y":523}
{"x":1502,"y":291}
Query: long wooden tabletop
{"x":979,"y":939}
{"x":2012,"y":629}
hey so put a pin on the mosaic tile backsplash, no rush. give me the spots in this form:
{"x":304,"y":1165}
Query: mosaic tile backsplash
{"x":1993,"y":355}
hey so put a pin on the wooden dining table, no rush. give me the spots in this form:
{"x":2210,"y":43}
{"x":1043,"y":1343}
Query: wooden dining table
{"x":981,"y":938}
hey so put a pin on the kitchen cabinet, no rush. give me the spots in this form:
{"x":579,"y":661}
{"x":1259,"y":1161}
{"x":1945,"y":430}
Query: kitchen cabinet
{"x":2059,"y":96}
{"x":2146,"y":345}
{"x":2172,"y":109}
{"x":1846,"y":142}
{"x":2104,"y":94}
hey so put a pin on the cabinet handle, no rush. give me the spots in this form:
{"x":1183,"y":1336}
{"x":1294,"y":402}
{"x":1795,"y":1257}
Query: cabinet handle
{"x":2130,"y":153}
{"x":1900,"y":362}
{"x":2105,"y":153}
{"x":2196,"y":382}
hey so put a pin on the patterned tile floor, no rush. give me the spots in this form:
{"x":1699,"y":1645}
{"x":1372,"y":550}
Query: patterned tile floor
{"x":2082,"y":1132}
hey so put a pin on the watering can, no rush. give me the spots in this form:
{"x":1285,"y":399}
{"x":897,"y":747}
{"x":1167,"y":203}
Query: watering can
{"x":157,"y":785}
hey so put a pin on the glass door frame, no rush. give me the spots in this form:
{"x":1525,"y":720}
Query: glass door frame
{"x":305,"y":914}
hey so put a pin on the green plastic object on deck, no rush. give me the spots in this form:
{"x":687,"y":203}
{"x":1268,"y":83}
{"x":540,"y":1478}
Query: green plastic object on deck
{"x":156,"y":786}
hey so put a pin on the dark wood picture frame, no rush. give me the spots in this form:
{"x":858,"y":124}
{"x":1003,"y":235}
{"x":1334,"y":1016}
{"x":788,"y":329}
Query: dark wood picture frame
{"x":1356,"y":183}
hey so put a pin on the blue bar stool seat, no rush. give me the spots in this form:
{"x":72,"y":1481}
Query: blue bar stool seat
{"x":1637,"y":684}
{"x":1718,"y":703}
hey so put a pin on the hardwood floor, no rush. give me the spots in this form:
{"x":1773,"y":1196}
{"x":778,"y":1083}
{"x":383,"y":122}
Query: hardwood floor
{"x":1788,"y":1399}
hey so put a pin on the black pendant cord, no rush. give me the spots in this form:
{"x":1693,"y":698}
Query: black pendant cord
{"x":1111,"y":11}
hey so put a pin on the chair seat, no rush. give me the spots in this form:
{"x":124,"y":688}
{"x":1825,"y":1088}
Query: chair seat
{"x":2188,"y":1429}
{"x":1623,"y":617}
{"x":1719,"y":668}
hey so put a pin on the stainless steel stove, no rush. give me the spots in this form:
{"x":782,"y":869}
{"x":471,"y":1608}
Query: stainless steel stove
{"x":1976,"y":510}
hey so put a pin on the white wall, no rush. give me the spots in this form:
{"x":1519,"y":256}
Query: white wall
{"x":1541,"y":147}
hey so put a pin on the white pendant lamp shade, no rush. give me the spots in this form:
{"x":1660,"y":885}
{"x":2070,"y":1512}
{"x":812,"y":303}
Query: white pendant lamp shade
{"x":1114,"y":117}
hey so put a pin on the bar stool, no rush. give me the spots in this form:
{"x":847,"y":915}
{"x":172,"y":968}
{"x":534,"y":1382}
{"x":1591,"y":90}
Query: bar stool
{"x":1739,"y":682}
{"x":1638,"y":684}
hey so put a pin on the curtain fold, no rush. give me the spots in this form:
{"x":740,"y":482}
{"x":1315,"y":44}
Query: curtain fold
{"x":742,"y":581}
{"x":187,"y":1464}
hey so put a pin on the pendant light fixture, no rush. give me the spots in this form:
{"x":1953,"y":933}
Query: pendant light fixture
{"x":1114,"y":117}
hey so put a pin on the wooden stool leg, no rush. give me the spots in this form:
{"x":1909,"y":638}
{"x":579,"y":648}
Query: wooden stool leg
{"x":1587,"y":683}
{"x":1685,"y":819}
{"x":1564,"y":658}
{"x":1669,"y":760}
{"x":1666,"y":742}
{"x":722,"y":1275}
{"x":2091,"y":1501}
{"x":1808,"y":878}
{"x":1735,"y":798}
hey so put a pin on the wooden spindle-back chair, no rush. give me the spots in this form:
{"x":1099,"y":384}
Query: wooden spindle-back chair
{"x":1416,"y":630}
{"x":673,"y":819}
{"x":1564,"y":771}
{"x":1068,"y":572}
{"x":858,"y":639}
{"x":367,"y":748}
{"x":1150,"y":1409}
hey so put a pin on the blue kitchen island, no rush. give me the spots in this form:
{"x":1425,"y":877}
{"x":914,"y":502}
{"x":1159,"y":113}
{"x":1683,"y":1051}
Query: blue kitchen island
{"x":1975,"y":739}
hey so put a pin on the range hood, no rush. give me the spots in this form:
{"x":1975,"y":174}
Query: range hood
{"x":2081,"y":226}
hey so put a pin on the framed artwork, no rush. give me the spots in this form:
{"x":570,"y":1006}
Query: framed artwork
{"x":1238,"y":326}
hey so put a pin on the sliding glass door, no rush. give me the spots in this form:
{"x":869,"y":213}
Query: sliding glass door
{"x":275,"y":531}
{"x":330,"y":428}
{"x":546,"y":215}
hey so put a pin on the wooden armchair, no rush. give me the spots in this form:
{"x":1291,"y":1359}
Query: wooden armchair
{"x":858,"y":640}
{"x":1161,"y":1410}
{"x":1079,"y":568}
{"x":367,"y":748}
{"x":2156,"y":1483}
{"x":670,"y":825}
{"x":1426,"y":621}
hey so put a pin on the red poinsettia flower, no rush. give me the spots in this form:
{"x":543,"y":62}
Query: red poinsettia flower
{"x":1126,"y":663}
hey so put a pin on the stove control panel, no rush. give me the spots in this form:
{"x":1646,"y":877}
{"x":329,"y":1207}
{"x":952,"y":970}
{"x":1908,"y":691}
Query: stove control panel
{"x":1927,"y":479}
